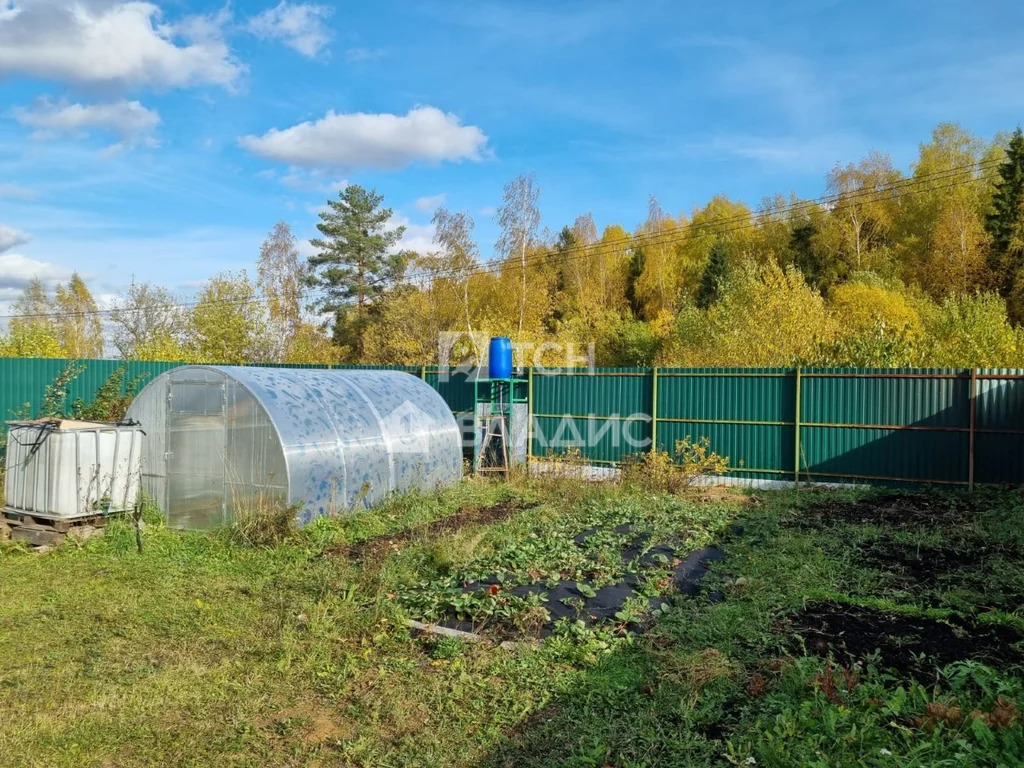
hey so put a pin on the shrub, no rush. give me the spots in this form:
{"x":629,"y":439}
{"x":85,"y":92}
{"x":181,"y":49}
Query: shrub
{"x":671,"y":473}
{"x":112,"y":398}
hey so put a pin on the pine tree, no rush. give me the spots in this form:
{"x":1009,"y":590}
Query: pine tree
{"x":1005,"y":222}
{"x":714,"y":275}
{"x":355,"y":265}
{"x":636,"y":268}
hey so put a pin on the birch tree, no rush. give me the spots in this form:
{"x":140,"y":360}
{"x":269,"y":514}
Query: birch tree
{"x":518,"y":217}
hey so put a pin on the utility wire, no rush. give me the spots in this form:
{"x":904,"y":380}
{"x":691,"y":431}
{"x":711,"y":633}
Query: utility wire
{"x":677,"y":231}
{"x":744,"y":221}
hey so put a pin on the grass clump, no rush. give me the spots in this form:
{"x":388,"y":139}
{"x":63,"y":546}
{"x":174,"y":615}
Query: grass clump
{"x":263,"y":521}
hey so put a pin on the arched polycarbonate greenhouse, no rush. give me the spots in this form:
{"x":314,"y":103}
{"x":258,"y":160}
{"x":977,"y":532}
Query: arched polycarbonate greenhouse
{"x":327,"y":441}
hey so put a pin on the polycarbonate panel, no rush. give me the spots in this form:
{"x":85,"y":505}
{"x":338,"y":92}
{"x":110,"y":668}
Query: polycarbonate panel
{"x":254,"y":466}
{"x":352,"y":437}
{"x":330,"y":441}
{"x":195,"y":457}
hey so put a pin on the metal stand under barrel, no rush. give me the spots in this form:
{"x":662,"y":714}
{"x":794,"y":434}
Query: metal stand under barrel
{"x":492,"y":455}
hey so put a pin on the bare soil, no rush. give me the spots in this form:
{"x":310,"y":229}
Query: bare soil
{"x":896,"y":510}
{"x":910,"y":645}
{"x":927,"y":566}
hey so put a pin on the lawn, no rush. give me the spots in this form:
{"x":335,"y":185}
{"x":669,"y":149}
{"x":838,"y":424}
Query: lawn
{"x":839,"y":628}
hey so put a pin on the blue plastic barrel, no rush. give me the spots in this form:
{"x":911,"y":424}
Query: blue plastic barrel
{"x":499,"y":360}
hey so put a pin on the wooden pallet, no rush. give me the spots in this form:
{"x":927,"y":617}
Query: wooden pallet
{"x":43,"y":531}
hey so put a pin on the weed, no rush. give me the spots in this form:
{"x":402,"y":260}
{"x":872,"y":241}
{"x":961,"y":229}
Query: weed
{"x":263,"y":520}
{"x":447,"y":648}
{"x":112,"y":398}
{"x":566,"y":475}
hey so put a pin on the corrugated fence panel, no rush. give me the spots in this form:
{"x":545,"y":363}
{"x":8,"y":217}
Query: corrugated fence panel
{"x":605,"y":412}
{"x":600,"y":440}
{"x":935,"y":397}
{"x":906,"y":425}
{"x":746,"y":413}
{"x":999,"y":408}
{"x":456,"y":389}
{"x":830,"y":454}
{"x":882,"y":424}
{"x":754,"y":450}
{"x":23,"y":381}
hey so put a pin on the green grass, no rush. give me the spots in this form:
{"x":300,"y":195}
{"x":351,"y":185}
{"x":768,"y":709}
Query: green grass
{"x":201,"y":651}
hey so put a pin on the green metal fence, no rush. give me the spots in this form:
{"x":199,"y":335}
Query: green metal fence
{"x":23,"y":381}
{"x":918,"y":426}
{"x":935,"y":426}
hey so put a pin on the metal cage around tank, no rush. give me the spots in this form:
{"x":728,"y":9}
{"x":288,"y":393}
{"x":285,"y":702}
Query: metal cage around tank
{"x":327,"y":441}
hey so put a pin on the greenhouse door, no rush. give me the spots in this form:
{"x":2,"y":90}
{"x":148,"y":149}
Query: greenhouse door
{"x":196,"y":440}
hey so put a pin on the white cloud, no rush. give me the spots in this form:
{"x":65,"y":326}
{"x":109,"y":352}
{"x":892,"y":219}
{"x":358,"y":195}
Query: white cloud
{"x":300,"y":26}
{"x":129,"y":120}
{"x":15,"y":273}
{"x":312,"y":181}
{"x":417,"y":237}
{"x":10,"y":237}
{"x":429,"y":203}
{"x":17,"y":270}
{"x":117,"y":43}
{"x":381,"y":141}
{"x":17,"y":191}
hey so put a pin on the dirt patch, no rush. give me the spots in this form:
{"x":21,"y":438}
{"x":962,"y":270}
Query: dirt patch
{"x":380,"y":546}
{"x":911,"y":645}
{"x":927,"y":566}
{"x":894,"y":510}
{"x":312,"y":724}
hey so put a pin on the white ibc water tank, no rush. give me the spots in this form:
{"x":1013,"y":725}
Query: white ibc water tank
{"x":63,"y":469}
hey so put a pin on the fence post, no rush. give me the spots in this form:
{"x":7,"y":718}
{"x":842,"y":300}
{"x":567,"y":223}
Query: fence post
{"x":796,"y":433}
{"x":423,"y":373}
{"x":970,"y":439}
{"x":654,"y":409}
{"x":529,"y":416}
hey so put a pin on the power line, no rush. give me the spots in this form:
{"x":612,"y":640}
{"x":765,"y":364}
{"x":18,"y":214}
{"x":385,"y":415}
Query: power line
{"x":748,"y":221}
{"x":744,"y":221}
{"x":116,"y":310}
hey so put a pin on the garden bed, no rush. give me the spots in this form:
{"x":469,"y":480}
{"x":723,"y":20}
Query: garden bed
{"x":906,"y":644}
{"x":619,"y":572}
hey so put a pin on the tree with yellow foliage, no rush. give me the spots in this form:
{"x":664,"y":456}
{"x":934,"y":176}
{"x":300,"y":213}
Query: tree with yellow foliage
{"x":863,"y":210}
{"x":31,"y":332}
{"x":765,"y":316}
{"x":228,"y":323}
{"x":658,"y":287}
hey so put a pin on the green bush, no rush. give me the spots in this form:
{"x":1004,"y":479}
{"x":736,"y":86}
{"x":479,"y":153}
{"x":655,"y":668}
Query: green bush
{"x":671,"y":473}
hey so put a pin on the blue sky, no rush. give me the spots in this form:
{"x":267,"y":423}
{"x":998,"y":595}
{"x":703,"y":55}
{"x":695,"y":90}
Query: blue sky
{"x":163,"y":140}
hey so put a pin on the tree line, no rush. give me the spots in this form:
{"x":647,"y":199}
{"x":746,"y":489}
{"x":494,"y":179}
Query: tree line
{"x":887,"y":269}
